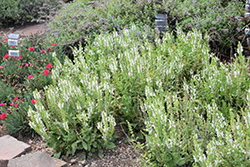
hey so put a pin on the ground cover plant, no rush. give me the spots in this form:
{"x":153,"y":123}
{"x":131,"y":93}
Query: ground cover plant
{"x":129,"y":76}
{"x":20,"y":76}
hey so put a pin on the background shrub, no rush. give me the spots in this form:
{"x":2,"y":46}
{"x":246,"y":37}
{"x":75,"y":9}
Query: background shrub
{"x":87,"y":19}
{"x":223,"y":20}
{"x":23,"y":11}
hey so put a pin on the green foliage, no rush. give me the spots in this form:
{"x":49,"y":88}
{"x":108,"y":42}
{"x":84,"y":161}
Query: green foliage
{"x":16,"y":122}
{"x":223,"y":20}
{"x":226,"y":84}
{"x":81,"y":19}
{"x":8,"y":92}
{"x":14,"y":81}
{"x":3,"y":49}
{"x":22,"y":11}
{"x":193,"y":126}
{"x":69,"y":117}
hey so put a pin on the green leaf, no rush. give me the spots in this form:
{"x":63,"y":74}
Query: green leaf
{"x":100,"y":153}
{"x":110,"y":145}
{"x":84,"y":144}
{"x":181,"y":162}
{"x":57,"y":155}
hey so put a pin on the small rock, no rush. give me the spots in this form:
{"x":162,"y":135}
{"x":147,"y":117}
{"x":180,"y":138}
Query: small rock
{"x":84,"y":162}
{"x":72,"y":161}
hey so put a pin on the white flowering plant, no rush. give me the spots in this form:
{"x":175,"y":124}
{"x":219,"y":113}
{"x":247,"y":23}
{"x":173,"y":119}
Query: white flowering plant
{"x":75,"y":103}
{"x":132,"y":64}
{"x":226,"y":84}
{"x":192,"y":128}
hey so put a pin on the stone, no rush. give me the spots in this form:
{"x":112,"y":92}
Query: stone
{"x":11,"y":148}
{"x":38,"y":159}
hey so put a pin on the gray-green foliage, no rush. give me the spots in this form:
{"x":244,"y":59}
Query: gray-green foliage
{"x":22,"y":11}
{"x":210,"y":16}
{"x":195,"y":127}
{"x":83,"y":18}
{"x":110,"y":76}
{"x":68,"y":119}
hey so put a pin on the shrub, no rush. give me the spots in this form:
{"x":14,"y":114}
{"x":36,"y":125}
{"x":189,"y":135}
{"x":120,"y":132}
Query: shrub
{"x":226,"y":84}
{"x":81,"y":19}
{"x":20,"y":12}
{"x":110,"y":78}
{"x":68,"y":119}
{"x":223,"y":21}
{"x":194,"y":128}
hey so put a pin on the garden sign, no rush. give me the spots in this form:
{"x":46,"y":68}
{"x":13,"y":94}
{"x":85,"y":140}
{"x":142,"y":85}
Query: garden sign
{"x":13,"y":41}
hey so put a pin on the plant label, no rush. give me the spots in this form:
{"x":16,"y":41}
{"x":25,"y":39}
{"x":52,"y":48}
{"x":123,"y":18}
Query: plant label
{"x":161,"y":22}
{"x":247,"y":31}
{"x":13,"y":36}
{"x":14,"y":53}
{"x":12,"y":42}
{"x":12,"y":39}
{"x":247,"y":15}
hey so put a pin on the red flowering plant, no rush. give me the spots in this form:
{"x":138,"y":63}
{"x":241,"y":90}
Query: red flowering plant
{"x":29,"y":71}
{"x":15,"y":117}
{"x":3,"y":49}
{"x":6,"y":108}
{"x":39,"y":80}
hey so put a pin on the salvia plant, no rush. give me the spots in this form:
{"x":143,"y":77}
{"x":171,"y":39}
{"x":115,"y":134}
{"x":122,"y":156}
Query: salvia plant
{"x":107,"y":82}
{"x":74,"y":105}
{"x":187,"y":129}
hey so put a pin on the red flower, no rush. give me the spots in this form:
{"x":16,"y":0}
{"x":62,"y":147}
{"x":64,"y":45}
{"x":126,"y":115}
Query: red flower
{"x":21,"y":66}
{"x":20,"y":101}
{"x":11,"y":104}
{"x":3,"y":115}
{"x":54,"y":44}
{"x":33,"y":101}
{"x":27,"y":64}
{"x":31,"y":49}
{"x":48,"y":48}
{"x":1,"y":66}
{"x":43,"y":51}
{"x":46,"y":72}
{"x":49,"y":66}
{"x":6,"y":39}
{"x":13,"y":46}
{"x":16,"y":105}
{"x":20,"y":56}
{"x":30,"y":76}
{"x":2,"y":104}
{"x":6,"y":56}
{"x":15,"y":99}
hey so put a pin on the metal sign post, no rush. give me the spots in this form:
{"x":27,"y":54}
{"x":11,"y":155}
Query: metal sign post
{"x":13,"y":41}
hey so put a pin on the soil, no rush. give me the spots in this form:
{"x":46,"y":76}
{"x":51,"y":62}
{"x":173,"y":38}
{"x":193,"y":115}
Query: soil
{"x":124,"y":155}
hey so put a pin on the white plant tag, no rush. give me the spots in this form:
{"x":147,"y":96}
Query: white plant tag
{"x":12,"y":42}
{"x":14,"y":53}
